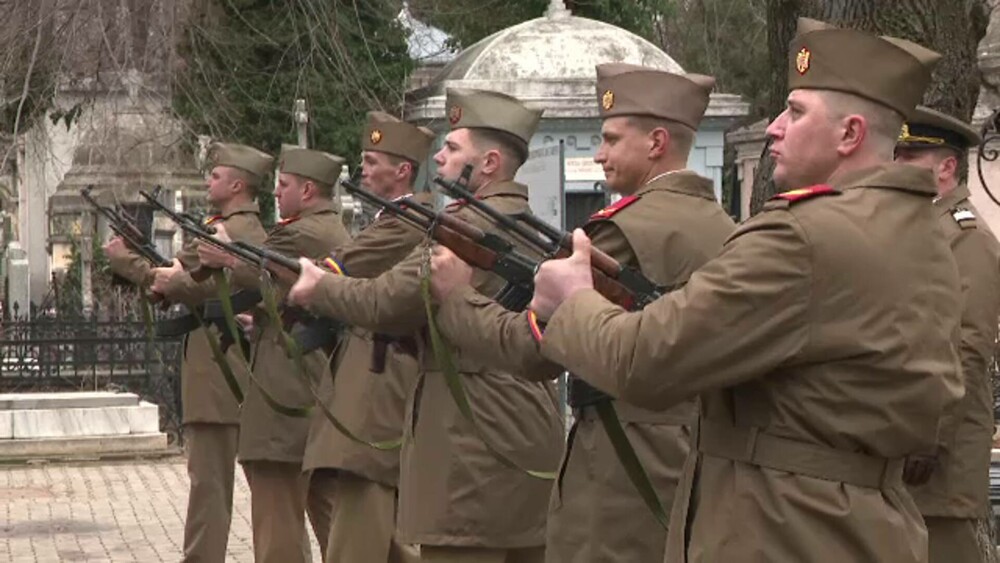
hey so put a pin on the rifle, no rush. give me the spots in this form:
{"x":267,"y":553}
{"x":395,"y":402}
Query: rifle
{"x":123,"y":226}
{"x":313,"y":333}
{"x":486,"y":251}
{"x":285,"y":268}
{"x":621,"y":285}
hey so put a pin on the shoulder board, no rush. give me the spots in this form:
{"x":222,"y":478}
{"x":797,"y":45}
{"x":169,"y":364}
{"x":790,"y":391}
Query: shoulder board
{"x":964,"y":217}
{"x":457,"y":204}
{"x":615,"y":207}
{"x":213,"y":219}
{"x":800,"y":194}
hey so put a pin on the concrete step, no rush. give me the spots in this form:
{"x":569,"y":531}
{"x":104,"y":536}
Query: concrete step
{"x":66,"y":400}
{"x":91,"y":446}
{"x":141,"y":418}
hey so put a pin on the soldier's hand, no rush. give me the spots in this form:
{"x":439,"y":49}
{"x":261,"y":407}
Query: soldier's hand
{"x":213,"y":257}
{"x":447,"y":273}
{"x":918,"y":469}
{"x":303,"y":289}
{"x":162,"y":276}
{"x":115,"y":248}
{"x":557,"y":280}
{"x":245,"y":321}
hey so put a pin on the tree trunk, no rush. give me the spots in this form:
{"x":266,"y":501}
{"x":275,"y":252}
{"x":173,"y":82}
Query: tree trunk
{"x":950,"y":27}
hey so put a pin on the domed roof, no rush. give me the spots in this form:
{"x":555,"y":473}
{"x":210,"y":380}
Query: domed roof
{"x":558,"y":46}
{"x":548,"y":63}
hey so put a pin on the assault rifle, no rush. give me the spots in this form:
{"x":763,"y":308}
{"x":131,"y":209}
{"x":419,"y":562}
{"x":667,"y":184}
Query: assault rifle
{"x":621,"y":285}
{"x":122,"y":225}
{"x":483,"y":250}
{"x":311,"y":332}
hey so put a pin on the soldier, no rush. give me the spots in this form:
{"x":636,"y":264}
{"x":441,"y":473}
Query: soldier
{"x":210,"y":409}
{"x":458,"y":499}
{"x":352,"y":490}
{"x":956,"y":493}
{"x":667,"y":225}
{"x":819,"y":341}
{"x":272,"y":444}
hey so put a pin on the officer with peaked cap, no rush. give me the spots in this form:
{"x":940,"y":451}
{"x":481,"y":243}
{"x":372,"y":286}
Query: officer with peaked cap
{"x":955,"y":492}
{"x":819,"y":340}
{"x":210,"y":409}
{"x":353,"y":485}
{"x":272,"y":444}
{"x":457,"y":498}
{"x":666,"y":225}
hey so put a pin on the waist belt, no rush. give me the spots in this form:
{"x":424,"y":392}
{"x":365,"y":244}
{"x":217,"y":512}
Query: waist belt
{"x":753,"y":446}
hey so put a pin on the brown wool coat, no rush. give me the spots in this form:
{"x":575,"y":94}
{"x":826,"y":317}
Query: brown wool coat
{"x":819,"y":342}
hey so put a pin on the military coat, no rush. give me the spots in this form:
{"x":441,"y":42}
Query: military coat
{"x":205,"y":395}
{"x":666,"y":230}
{"x":820,"y":344}
{"x":959,"y":486}
{"x":453,"y":489}
{"x":371,"y":404}
{"x":264,"y":433}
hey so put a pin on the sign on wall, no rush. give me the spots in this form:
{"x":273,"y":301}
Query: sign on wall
{"x":544,"y":175}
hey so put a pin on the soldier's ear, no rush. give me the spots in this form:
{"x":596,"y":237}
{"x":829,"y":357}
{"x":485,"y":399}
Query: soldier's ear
{"x":492,"y":160}
{"x":948,"y":167}
{"x":403,"y":170}
{"x":854,"y":129}
{"x":309,"y":190}
{"x":659,"y":142}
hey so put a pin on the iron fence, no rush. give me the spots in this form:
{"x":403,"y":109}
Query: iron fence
{"x":96,"y":350}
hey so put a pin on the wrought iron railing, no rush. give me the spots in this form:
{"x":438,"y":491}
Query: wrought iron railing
{"x":990,"y":134}
{"x":48,"y":351}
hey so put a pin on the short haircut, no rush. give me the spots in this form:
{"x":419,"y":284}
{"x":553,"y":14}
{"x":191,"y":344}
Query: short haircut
{"x":512,"y":147}
{"x":252,"y":181}
{"x":884,"y":123}
{"x":681,"y":136}
{"x":324,"y":189}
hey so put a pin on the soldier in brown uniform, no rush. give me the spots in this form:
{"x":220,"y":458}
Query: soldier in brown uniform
{"x":956,"y":493}
{"x":667,"y":225}
{"x":819,"y":341}
{"x":210,"y":410}
{"x":272,"y":444}
{"x":458,"y":500}
{"x":352,"y":490}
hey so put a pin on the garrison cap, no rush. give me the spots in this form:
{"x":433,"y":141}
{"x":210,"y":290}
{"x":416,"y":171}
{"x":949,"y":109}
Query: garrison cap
{"x":893,"y":72}
{"x":484,"y":109}
{"x":931,"y":129}
{"x":625,"y":89}
{"x":385,"y":133}
{"x":315,"y":165}
{"x":246,"y":158}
